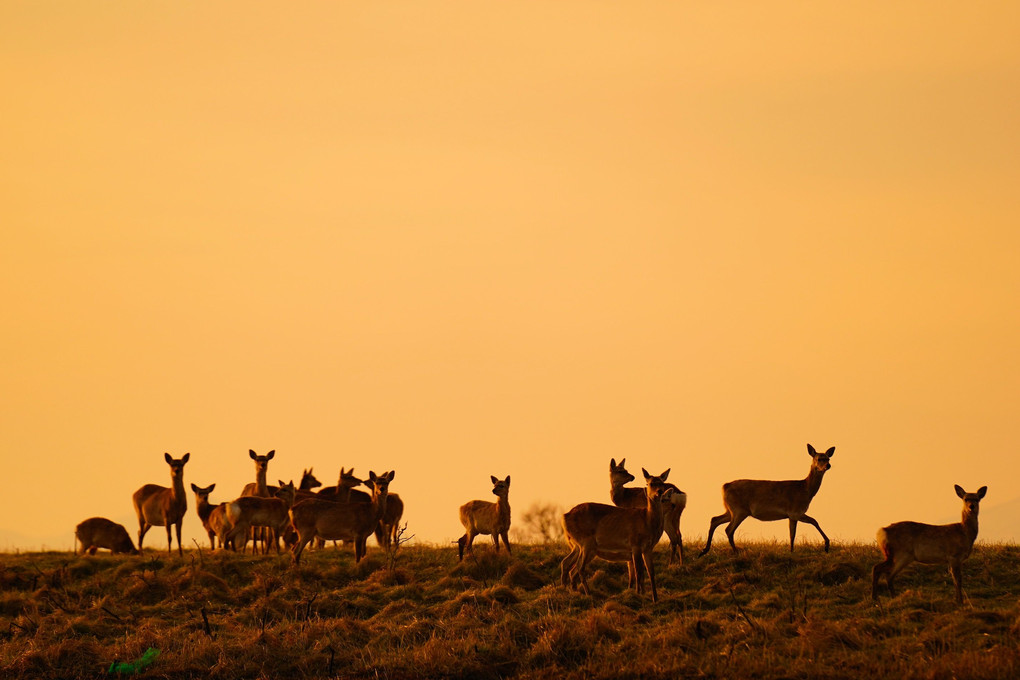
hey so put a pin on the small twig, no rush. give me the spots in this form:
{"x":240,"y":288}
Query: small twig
{"x":205,"y":624}
{"x":329,"y":666}
{"x":105,"y":609}
{"x":747,"y":618}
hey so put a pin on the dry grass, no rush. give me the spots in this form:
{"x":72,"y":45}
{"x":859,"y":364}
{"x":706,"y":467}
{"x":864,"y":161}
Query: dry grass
{"x":762,"y":614}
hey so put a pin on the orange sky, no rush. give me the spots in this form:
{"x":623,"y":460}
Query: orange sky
{"x":463,"y":239}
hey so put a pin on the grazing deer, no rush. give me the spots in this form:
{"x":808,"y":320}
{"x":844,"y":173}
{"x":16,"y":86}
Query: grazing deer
{"x":617,"y":535}
{"x":99,"y":532}
{"x":205,"y":509}
{"x":635,"y":497}
{"x":158,"y":506}
{"x":485,"y":518}
{"x":333,"y":521}
{"x":769,"y":501}
{"x":255,"y":511}
{"x":906,"y":542}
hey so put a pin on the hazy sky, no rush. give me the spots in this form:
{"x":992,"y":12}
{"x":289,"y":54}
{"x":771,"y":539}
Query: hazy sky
{"x":463,"y":239}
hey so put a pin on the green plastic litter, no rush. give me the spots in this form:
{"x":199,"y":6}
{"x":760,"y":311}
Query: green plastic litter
{"x":136,"y":666}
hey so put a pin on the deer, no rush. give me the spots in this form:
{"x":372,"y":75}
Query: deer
{"x":99,"y":532}
{"x":205,"y":509}
{"x":333,"y":521}
{"x":387,"y":533}
{"x":905,"y":542}
{"x":344,"y":490}
{"x":160,"y":506}
{"x":617,"y":535}
{"x":255,"y":511}
{"x":635,"y":497}
{"x":769,"y":501}
{"x":259,"y":488}
{"x":308,"y":482}
{"x":487,"y":518}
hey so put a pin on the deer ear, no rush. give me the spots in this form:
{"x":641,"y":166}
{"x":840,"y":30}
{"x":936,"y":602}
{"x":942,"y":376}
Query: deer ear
{"x":194,"y":488}
{"x":187,"y":457}
{"x":269,"y":456}
{"x":252,"y":454}
{"x":168,"y":458}
{"x":811,"y":451}
{"x":391,"y":475}
{"x":959,"y":490}
{"x":832,"y":450}
{"x":982,"y":491}
{"x":508,"y":480}
{"x":493,"y":479}
{"x":665,"y":474}
{"x":612,"y":463}
{"x":645,"y":473}
{"x":211,"y":487}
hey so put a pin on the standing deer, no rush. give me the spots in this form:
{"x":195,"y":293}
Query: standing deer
{"x":344,"y":490}
{"x":158,"y":506}
{"x":255,"y":511}
{"x":333,"y":521}
{"x":259,"y":488}
{"x":389,"y":526}
{"x":769,"y":501}
{"x":205,"y":509}
{"x":484,"y":517}
{"x":617,"y":535}
{"x":906,"y":542}
{"x":635,"y":497}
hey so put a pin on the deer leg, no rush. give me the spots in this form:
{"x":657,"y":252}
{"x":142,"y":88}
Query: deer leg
{"x":731,"y":529}
{"x":793,"y":532}
{"x":581,"y":567}
{"x":495,"y":540}
{"x":169,"y":540}
{"x":636,"y":565}
{"x":876,"y":574}
{"x":814,"y":523}
{"x":180,"y":549}
{"x":142,"y":529}
{"x":716,"y":521}
{"x":954,"y":569}
{"x":650,"y":567}
{"x":461,"y":542}
{"x":506,"y":541}
{"x":566,"y":565}
{"x":898,"y":565}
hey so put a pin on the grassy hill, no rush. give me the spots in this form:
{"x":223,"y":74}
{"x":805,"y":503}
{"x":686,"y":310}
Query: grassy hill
{"x":763,"y":613}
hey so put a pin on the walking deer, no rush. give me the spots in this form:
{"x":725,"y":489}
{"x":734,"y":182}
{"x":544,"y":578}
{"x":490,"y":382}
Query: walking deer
{"x":160,"y":506}
{"x":333,"y":521}
{"x":616,"y":535}
{"x":484,"y":517}
{"x":906,"y":542}
{"x":635,"y":497}
{"x":255,"y":511}
{"x":99,"y":532}
{"x":769,"y":501}
{"x":205,"y":509}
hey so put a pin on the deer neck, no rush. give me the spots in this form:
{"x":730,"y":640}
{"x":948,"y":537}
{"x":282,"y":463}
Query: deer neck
{"x":204,"y":508}
{"x":814,"y":481}
{"x":180,"y":498}
{"x":653,"y":512}
{"x":970,"y":525}
{"x":261,"y":488}
{"x":379,"y":503}
{"x":503,"y":509}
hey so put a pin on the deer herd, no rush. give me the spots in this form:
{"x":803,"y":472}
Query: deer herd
{"x":625,"y":531}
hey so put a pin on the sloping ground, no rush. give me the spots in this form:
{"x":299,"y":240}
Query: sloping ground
{"x":764,"y":614}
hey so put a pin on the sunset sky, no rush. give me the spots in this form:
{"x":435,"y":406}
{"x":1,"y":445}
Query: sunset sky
{"x":468,"y":239}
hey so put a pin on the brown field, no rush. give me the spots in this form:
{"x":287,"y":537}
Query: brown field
{"x":763,"y":614}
